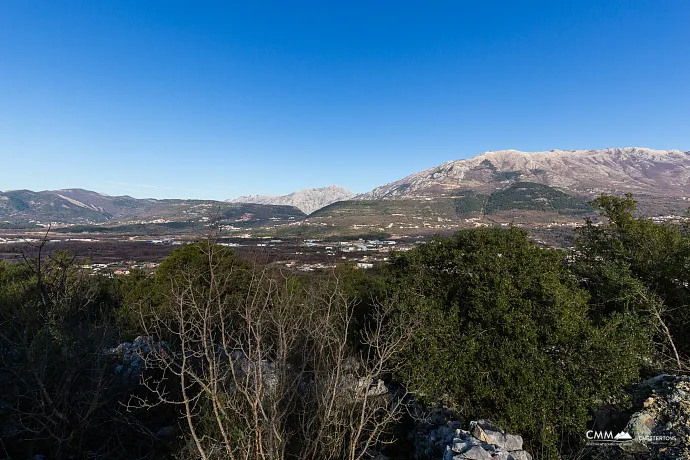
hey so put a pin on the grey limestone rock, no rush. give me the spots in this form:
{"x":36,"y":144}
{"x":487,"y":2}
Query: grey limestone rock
{"x":485,"y":441}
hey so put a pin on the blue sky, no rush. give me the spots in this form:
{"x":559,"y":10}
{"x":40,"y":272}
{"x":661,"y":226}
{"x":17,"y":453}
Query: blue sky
{"x":218,"y":99}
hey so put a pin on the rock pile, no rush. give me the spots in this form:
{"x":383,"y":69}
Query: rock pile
{"x":484,"y":441}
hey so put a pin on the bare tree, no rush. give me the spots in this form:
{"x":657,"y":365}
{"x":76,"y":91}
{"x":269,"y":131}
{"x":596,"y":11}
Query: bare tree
{"x":273,"y":373}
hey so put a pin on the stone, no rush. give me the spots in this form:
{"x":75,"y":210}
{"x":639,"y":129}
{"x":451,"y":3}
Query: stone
{"x":474,"y":453}
{"x":378,"y":389}
{"x":485,"y":431}
{"x":485,"y":441}
{"x":641,"y":425}
{"x":460,"y":446}
{"x":454,"y":425}
{"x":131,"y":355}
{"x":443,"y":434}
{"x":519,"y":455}
{"x":501,"y":456}
{"x":660,"y":427}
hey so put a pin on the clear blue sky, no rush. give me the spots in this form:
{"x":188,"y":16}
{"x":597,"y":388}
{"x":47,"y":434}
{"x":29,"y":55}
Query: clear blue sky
{"x":217,"y":99}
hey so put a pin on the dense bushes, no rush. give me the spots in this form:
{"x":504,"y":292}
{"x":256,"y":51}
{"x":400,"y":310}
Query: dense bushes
{"x":237,"y":360}
{"x":203,"y":262}
{"x":633,"y":264}
{"x":506,"y":333}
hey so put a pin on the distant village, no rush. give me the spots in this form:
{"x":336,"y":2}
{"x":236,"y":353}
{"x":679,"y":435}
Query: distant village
{"x":294,"y":254}
{"x":301,"y":255}
{"x":362,"y":254}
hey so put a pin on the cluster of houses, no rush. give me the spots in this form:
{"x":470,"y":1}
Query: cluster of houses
{"x":120,"y":268}
{"x":166,"y":241}
{"x":307,"y":267}
{"x":352,"y":246}
{"x":19,"y":240}
{"x":669,"y":218}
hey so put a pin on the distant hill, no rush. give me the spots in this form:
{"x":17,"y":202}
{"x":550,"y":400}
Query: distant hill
{"x":522,"y":196}
{"x":307,"y":200}
{"x":537,"y":207}
{"x":640,"y":171}
{"x":85,"y":207}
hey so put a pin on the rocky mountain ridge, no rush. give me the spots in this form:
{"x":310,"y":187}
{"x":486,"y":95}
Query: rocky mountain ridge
{"x":307,"y":200}
{"x":493,"y":187}
{"x":587,"y":172}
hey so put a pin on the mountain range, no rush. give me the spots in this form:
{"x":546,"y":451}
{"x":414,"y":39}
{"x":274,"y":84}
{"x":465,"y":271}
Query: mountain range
{"x":307,"y":200}
{"x":550,"y":183}
{"x":84,"y":207}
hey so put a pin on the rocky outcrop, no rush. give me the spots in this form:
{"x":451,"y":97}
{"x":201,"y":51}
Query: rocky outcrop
{"x":658,"y":428}
{"x":130,"y":356}
{"x":483,"y":441}
{"x":661,"y":428}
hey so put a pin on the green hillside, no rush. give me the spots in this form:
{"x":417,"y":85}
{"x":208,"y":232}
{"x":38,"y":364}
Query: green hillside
{"x":529,"y":196}
{"x":525,"y":196}
{"x":440,"y":207}
{"x":469,"y":203}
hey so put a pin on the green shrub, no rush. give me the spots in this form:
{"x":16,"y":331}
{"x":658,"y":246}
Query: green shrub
{"x":506,"y":334}
{"x":145,"y":297}
{"x":631,"y":263}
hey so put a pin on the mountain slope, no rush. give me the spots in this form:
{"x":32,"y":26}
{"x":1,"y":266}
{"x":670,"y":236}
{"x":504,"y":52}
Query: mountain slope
{"x":77,"y":206}
{"x":307,"y":200}
{"x":636,"y":170}
{"x":24,"y":205}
